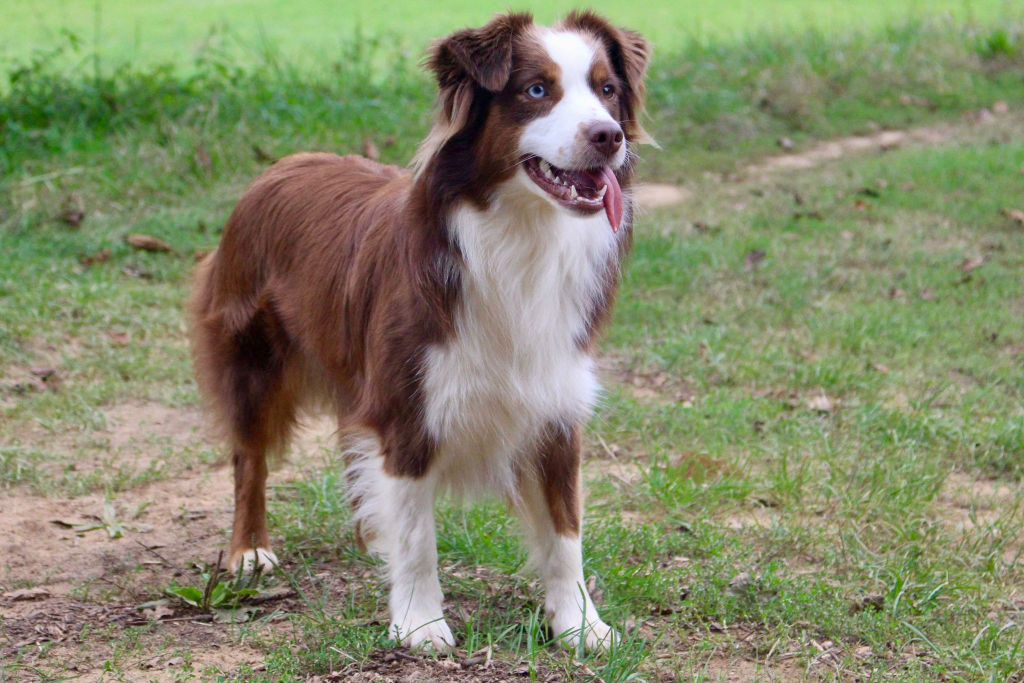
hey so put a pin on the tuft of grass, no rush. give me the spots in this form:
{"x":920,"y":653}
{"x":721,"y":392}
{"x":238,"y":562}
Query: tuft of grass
{"x":998,"y":44}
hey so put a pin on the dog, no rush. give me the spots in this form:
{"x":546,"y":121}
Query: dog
{"x":446,"y":314}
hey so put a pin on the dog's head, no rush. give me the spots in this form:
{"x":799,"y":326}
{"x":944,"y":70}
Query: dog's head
{"x":549,"y":113}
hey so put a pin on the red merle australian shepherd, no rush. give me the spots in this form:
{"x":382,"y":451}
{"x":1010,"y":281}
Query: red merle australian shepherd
{"x":446,"y":315}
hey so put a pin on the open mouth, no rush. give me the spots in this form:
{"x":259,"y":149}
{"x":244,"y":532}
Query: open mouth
{"x":584,"y":190}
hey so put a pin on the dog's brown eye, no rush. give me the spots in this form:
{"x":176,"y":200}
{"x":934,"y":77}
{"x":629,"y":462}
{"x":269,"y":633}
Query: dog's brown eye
{"x":608,"y":90}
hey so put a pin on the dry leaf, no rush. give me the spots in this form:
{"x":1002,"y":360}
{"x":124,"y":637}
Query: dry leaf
{"x":971,"y":264}
{"x":49,"y":377}
{"x":119,"y":338}
{"x":72,"y":217}
{"x":820,"y":403}
{"x":1015,"y":215}
{"x":754,"y":260}
{"x":261,"y":155}
{"x":370,"y":150}
{"x":157,"y":612}
{"x":154,"y":663}
{"x":873,"y":602}
{"x":101,"y":256}
{"x":37,"y":593}
{"x":741,"y":582}
{"x":1000,"y":107}
{"x":135,"y":271}
{"x":202,"y":158}
{"x":928,"y":295}
{"x":148,"y":243}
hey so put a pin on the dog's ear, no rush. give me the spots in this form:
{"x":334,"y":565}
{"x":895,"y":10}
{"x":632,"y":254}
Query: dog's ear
{"x":466,"y":63}
{"x":483,"y":55}
{"x":630,"y":54}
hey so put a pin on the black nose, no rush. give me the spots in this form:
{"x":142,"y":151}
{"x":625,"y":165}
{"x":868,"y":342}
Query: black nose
{"x":605,"y":137}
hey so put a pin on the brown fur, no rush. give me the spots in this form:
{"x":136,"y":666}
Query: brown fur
{"x":629,"y":54}
{"x":558,"y":464}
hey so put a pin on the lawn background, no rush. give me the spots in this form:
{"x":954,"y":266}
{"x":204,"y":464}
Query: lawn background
{"x":808,"y":462}
{"x":174,"y":30}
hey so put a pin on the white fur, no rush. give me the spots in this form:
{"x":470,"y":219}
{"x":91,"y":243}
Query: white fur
{"x":559,"y":562}
{"x":250,"y":559}
{"x":558,"y":137}
{"x":396,"y":518}
{"x":532,"y":276}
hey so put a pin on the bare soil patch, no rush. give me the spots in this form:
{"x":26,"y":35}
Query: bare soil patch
{"x":64,"y":572}
{"x":968,"y":503}
{"x":657,"y":195}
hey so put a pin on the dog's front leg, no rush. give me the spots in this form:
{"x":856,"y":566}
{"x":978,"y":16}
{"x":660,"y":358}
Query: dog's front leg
{"x":550,"y":505}
{"x":416,"y":599}
{"x":395,"y":517}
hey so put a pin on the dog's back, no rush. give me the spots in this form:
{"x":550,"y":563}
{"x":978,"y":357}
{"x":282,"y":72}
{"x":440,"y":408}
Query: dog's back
{"x":303,"y":215}
{"x":288,"y":260}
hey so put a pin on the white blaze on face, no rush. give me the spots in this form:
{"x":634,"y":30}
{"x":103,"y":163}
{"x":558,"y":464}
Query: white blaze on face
{"x":558,"y":137}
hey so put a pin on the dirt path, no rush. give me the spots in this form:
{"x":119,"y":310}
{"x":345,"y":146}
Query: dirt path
{"x":650,"y":196}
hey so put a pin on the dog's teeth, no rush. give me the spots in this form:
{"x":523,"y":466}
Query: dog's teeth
{"x":600,"y":193}
{"x":572,"y":192}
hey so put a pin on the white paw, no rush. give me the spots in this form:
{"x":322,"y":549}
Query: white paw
{"x":424,"y":633}
{"x":598,"y":635}
{"x":247,"y":562}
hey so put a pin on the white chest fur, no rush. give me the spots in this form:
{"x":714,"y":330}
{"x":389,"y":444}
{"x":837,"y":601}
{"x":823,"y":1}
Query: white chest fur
{"x":529,"y":283}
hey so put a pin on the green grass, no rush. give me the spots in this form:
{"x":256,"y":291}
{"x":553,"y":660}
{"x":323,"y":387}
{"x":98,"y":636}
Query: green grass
{"x":737,"y":520}
{"x":156,"y":32}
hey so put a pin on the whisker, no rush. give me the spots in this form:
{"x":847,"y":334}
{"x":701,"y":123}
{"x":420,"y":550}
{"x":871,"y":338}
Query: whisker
{"x":521,"y":161}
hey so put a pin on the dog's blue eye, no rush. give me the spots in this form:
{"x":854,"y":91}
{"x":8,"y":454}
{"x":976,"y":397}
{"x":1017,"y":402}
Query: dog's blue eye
{"x":537,"y":91}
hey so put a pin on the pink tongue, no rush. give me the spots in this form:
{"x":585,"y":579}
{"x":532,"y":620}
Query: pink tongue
{"x":612,"y":198}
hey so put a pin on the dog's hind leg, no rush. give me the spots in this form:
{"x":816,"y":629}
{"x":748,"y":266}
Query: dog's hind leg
{"x":246,"y":373}
{"x":549,"y":502}
{"x":395,"y":519}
